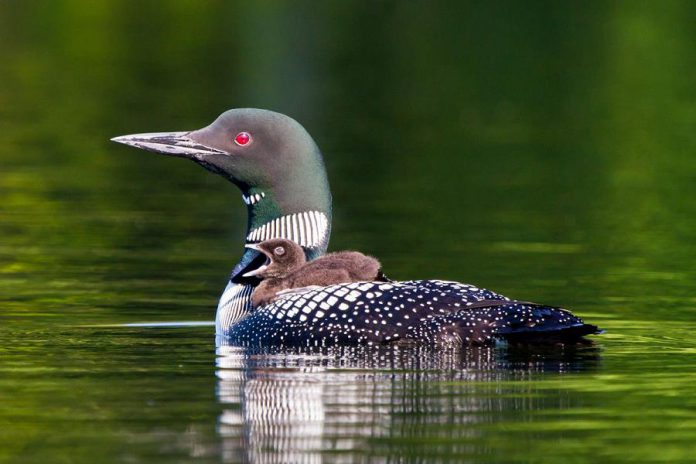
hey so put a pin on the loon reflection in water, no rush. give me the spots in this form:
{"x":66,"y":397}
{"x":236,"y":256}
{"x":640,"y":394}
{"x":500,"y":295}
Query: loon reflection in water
{"x":294,"y":405}
{"x":281,"y":174}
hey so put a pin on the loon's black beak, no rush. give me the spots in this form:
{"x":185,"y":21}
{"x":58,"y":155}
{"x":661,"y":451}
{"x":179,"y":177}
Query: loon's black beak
{"x":169,"y":143}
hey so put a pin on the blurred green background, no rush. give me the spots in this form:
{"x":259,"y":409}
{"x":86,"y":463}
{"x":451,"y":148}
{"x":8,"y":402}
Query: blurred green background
{"x":545,"y":150}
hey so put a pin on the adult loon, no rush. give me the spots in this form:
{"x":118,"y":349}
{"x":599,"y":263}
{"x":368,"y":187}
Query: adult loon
{"x":280,"y":172}
{"x":288,"y":272}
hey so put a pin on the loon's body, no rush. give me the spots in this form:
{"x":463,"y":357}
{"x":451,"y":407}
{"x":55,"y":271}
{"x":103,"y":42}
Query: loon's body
{"x":281,"y":174}
{"x":419,"y":311}
{"x":287,"y":269}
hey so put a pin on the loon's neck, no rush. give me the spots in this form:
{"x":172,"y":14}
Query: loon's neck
{"x":308,"y":225}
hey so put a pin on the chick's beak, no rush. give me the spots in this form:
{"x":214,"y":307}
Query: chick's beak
{"x":263,"y":267}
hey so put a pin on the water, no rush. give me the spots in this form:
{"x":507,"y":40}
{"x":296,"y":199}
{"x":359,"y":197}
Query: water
{"x":540,"y":150}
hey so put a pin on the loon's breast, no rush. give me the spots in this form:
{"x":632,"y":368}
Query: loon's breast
{"x":420,"y":311}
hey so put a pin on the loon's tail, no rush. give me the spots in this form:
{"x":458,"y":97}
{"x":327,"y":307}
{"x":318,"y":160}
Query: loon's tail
{"x":516,"y":322}
{"x":571,"y":334}
{"x":551,"y":325}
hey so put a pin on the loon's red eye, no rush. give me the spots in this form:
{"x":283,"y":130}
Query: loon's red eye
{"x":242,"y":139}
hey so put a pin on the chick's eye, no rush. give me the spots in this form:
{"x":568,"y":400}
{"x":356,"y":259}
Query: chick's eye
{"x":280,"y":251}
{"x":242,"y":139}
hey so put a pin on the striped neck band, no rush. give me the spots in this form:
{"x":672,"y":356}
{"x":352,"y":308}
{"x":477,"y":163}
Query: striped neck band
{"x":308,"y":229}
{"x":252,"y":198}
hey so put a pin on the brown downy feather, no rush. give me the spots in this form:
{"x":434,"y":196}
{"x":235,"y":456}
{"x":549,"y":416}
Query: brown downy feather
{"x":288,"y":269}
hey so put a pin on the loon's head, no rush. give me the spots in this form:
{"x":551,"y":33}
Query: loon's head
{"x":282,"y":257}
{"x":276,"y":165}
{"x":269,"y":156}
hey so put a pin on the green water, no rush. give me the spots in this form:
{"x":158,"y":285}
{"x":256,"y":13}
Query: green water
{"x":546,"y":151}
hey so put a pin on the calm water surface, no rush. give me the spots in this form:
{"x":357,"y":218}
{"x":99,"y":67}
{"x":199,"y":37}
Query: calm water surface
{"x":543,"y":151}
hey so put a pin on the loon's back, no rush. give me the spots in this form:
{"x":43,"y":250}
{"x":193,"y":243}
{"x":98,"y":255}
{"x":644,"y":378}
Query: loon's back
{"x":420,"y":311}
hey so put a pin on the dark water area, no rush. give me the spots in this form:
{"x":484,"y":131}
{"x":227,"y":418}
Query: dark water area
{"x":543,"y":150}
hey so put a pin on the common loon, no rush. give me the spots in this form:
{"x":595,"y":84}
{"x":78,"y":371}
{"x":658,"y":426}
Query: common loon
{"x":287,"y":271}
{"x":280,"y":172}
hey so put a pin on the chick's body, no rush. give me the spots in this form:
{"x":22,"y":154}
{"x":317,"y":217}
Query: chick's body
{"x":288,"y":269}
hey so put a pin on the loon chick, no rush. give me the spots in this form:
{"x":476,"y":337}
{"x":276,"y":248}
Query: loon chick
{"x":287,"y":268}
{"x":279,"y":169}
